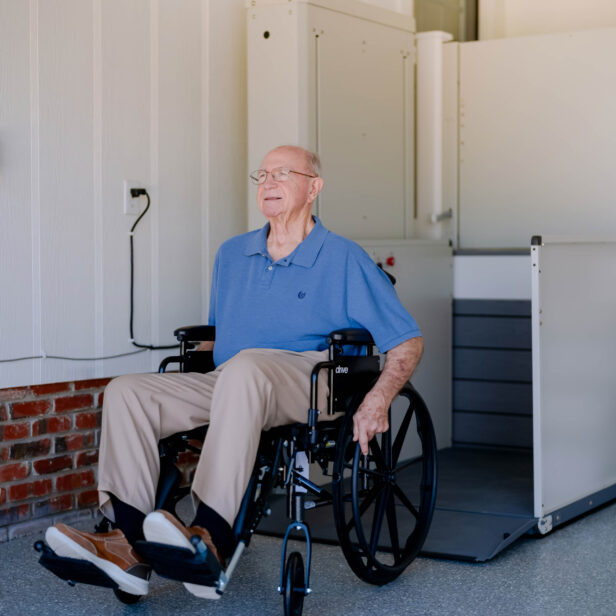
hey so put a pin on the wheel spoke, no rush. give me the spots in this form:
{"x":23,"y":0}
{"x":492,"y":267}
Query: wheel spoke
{"x":377,"y":454}
{"x":404,"y":426}
{"x":392,"y":523}
{"x":386,"y":443}
{"x":405,"y":501}
{"x":377,"y":520}
{"x":363,"y":507}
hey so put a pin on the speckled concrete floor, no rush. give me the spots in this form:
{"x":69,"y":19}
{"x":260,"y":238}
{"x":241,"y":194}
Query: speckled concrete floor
{"x":569,"y":572}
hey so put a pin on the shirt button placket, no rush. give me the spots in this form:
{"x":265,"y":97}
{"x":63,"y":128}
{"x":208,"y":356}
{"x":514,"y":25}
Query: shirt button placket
{"x":268,"y":275}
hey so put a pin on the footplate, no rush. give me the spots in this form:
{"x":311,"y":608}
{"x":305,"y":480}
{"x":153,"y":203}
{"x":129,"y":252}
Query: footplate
{"x":72,"y":570}
{"x":175,"y":563}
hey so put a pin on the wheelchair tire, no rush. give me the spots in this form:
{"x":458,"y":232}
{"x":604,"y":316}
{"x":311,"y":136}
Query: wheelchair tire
{"x":370,"y":490}
{"x":126,"y":597}
{"x":294,"y":591}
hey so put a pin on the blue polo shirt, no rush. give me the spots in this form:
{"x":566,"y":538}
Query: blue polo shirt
{"x":328,"y":282}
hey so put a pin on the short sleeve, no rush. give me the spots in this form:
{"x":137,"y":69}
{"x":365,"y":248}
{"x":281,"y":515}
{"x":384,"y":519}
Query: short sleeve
{"x":373,"y":303}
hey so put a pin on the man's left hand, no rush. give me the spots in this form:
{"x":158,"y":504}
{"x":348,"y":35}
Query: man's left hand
{"x":370,"y":419}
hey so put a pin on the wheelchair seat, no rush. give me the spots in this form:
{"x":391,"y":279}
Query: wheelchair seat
{"x":382,"y":503}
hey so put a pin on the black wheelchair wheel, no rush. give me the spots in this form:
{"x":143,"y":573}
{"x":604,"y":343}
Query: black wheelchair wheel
{"x":126,"y":597}
{"x":383,"y":502}
{"x":294,"y":590}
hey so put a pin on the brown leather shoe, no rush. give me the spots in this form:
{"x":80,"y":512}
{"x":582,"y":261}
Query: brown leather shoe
{"x":110,"y":552}
{"x":162,"y":527}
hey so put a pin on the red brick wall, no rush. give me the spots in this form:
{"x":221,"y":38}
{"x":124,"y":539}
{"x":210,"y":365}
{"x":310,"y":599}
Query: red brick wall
{"x":49,"y":437}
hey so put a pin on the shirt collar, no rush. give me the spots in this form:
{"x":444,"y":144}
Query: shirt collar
{"x":304,"y":255}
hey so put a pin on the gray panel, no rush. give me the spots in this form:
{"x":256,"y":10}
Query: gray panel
{"x":483,"y":536}
{"x":494,"y":332}
{"x":574,"y":336}
{"x":492,"y":365}
{"x":496,"y":397}
{"x":501,"y":430}
{"x":503,"y":307}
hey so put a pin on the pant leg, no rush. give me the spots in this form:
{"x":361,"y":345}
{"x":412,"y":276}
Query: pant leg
{"x":257,"y":389}
{"x":138,"y":411}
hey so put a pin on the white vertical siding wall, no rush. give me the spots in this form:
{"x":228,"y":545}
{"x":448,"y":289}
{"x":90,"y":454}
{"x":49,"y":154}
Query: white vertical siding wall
{"x":92,"y":93}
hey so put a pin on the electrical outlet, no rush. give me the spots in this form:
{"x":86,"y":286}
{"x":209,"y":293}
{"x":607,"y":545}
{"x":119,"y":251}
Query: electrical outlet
{"x":132,"y":206}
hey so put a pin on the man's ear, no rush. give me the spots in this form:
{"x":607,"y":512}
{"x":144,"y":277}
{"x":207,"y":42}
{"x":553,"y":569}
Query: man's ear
{"x":315,"y":189}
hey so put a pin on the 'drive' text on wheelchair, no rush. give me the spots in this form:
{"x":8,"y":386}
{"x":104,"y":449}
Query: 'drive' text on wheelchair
{"x":284,"y":375}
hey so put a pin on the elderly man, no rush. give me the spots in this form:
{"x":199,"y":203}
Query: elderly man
{"x":276,"y":294}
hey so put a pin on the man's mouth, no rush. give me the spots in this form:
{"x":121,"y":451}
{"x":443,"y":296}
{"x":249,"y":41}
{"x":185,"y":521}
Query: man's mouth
{"x":272,"y":198}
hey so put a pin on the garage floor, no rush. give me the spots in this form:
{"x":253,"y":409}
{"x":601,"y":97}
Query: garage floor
{"x":568,"y":572}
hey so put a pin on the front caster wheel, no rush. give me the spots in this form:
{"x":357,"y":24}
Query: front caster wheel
{"x":126,"y":597}
{"x":294,"y":590}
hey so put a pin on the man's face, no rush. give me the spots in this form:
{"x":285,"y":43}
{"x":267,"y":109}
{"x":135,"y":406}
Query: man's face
{"x":290,"y":197}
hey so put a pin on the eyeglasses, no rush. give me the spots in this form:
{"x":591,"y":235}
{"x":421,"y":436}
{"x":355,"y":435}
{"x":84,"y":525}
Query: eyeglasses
{"x":280,"y":174}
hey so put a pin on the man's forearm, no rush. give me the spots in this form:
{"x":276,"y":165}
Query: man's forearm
{"x":400,"y":363}
{"x":371,"y":417}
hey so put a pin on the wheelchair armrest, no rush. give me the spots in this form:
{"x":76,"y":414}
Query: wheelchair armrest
{"x":350,"y":336}
{"x":194,"y":333}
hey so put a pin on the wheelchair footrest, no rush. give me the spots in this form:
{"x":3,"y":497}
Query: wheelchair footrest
{"x":181,"y":564}
{"x":72,"y":570}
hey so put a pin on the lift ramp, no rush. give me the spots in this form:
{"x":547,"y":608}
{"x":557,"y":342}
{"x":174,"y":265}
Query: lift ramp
{"x":484,"y":503}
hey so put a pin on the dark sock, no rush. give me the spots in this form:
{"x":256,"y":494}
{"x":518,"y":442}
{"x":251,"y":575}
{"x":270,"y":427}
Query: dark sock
{"x":218,"y":527}
{"x":128,"y":519}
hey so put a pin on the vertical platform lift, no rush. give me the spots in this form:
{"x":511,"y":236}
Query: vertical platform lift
{"x":488,"y":498}
{"x":299,"y":53}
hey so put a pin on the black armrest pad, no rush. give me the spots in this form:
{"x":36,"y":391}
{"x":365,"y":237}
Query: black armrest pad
{"x":350,"y":336}
{"x":194,"y":333}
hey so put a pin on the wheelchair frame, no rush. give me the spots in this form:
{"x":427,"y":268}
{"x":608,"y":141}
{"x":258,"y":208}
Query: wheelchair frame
{"x":283,"y":457}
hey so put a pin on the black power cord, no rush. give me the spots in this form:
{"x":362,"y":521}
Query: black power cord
{"x":134,"y":193}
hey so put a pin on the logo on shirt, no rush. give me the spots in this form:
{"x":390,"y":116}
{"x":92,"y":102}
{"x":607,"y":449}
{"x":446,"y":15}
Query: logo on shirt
{"x":301,"y":294}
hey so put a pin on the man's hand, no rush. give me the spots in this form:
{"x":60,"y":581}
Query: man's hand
{"x":372,"y":415}
{"x":370,"y":418}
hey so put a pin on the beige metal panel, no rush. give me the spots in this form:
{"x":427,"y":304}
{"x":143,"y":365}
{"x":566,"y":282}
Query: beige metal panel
{"x":491,"y":277}
{"x":424,"y":274}
{"x":274,"y":76}
{"x":574,"y":390}
{"x":17,"y":310}
{"x":364,"y":122}
{"x":451,"y":53}
{"x":385,"y":12}
{"x":66,"y":186}
{"x":536,"y":144}
{"x":506,"y":18}
{"x":335,"y":76}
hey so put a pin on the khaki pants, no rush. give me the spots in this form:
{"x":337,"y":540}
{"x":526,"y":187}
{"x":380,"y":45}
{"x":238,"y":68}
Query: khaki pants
{"x":255,"y":390}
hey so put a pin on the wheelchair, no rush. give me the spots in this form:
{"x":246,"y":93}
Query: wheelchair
{"x":382,"y":502}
